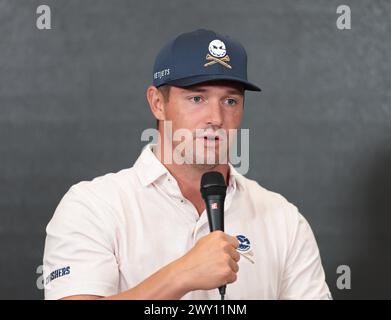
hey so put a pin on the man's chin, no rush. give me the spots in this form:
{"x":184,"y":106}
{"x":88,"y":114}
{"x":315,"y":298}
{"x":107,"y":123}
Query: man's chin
{"x":210,"y":160}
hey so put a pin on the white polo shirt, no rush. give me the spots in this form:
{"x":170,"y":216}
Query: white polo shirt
{"x":109,"y":234}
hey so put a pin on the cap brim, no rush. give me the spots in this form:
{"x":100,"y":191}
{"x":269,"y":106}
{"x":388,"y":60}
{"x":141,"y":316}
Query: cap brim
{"x":185,"y":82}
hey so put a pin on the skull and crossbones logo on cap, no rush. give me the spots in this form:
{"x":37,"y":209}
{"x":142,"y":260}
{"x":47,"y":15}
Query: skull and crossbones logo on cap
{"x":218,"y":54}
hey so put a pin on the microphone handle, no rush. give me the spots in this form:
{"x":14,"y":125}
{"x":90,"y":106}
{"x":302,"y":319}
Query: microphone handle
{"x":215,"y":211}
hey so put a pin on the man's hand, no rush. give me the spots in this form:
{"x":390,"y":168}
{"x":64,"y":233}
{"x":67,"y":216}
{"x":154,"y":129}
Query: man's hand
{"x":211,"y":263}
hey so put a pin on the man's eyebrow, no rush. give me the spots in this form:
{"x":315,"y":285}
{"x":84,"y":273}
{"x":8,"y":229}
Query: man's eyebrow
{"x":195,"y":90}
{"x":229,"y":91}
{"x":235,"y":91}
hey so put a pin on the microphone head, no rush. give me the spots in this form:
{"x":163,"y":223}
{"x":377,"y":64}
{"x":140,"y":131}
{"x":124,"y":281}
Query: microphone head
{"x":213,"y":183}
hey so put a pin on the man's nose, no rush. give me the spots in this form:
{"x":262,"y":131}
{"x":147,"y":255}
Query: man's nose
{"x":215,"y":116}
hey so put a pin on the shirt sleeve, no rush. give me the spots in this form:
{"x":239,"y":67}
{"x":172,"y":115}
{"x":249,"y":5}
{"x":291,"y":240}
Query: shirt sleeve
{"x":303,"y":275}
{"x":79,"y":256}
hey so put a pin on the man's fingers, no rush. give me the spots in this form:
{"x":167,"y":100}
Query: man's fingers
{"x":234,"y":266}
{"x":235,"y":255}
{"x":233,"y":241}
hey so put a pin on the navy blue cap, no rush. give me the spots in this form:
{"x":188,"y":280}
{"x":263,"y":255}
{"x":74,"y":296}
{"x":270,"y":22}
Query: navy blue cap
{"x":200,"y":56}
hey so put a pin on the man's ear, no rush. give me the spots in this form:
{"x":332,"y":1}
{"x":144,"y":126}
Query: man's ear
{"x":156,"y":102}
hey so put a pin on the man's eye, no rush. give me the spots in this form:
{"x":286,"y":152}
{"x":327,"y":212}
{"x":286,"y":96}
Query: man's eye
{"x":231,"y":102}
{"x":196,"y":99}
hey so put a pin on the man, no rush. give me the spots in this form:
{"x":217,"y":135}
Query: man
{"x":142,"y":233}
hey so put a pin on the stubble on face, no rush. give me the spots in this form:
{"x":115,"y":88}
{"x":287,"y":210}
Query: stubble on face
{"x":208,"y":145}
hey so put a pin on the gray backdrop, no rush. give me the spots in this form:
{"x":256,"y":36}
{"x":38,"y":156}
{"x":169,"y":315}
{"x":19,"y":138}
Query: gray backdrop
{"x":72,"y":107}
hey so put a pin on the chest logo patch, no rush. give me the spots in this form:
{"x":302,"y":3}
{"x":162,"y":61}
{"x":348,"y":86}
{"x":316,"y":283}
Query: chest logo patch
{"x":245,"y":248}
{"x":244,"y":243}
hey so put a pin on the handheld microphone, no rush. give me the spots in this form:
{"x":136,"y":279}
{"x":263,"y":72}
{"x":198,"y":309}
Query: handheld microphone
{"x":213,"y":190}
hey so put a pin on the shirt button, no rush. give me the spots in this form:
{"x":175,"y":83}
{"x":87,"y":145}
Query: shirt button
{"x":182,"y":200}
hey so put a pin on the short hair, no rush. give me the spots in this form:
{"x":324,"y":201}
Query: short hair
{"x":165,"y":91}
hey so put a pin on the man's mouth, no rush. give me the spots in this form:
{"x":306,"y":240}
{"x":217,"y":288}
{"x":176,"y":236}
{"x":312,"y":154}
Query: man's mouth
{"x":211,"y":140}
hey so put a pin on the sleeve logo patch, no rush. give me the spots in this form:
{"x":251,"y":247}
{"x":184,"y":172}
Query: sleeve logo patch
{"x":57,"y":274}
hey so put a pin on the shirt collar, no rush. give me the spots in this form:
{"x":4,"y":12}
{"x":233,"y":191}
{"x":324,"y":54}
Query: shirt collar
{"x":149,"y":169}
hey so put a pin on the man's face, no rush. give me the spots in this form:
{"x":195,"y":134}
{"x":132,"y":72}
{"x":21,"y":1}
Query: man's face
{"x":208,"y":110}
